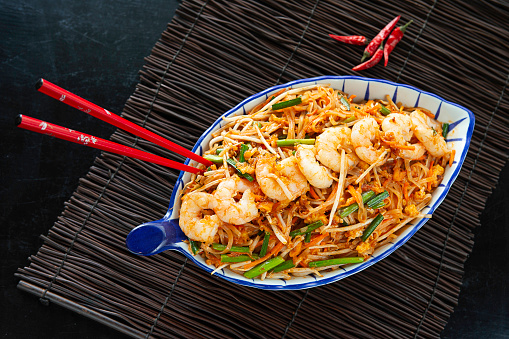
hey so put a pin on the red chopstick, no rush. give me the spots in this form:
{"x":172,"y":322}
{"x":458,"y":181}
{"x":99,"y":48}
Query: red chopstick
{"x":83,"y":105}
{"x":59,"y":132}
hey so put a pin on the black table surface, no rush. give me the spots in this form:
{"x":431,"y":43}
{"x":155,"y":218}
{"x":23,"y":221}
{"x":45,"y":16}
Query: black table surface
{"x":95,"y":49}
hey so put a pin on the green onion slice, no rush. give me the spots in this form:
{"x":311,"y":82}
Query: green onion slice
{"x":264,"y":267}
{"x":243,"y":149}
{"x":307,"y":229}
{"x":221,"y":247}
{"x":214,"y":158}
{"x":195,"y":246}
{"x":265,"y":244}
{"x":445,"y":129}
{"x":232,"y":163}
{"x":308,"y":237}
{"x":239,"y":258}
{"x":378,"y":199}
{"x":284,"y":266}
{"x":286,"y":104}
{"x":293,"y":142}
{"x":347,"y":210}
{"x":344,"y":102}
{"x":384,"y":110}
{"x":336,"y":261}
{"x":349,"y":119}
{"x":374,"y":224}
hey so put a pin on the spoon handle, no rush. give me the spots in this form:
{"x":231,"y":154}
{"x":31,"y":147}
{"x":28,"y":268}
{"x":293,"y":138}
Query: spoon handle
{"x":155,"y":237}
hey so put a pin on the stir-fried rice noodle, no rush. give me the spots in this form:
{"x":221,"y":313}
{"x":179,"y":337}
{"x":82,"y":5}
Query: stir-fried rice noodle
{"x":367,"y":163}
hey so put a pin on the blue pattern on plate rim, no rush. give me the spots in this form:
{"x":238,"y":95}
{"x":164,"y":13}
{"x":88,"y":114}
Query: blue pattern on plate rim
{"x":357,"y":267}
{"x":417,"y":101}
{"x":366,"y":94}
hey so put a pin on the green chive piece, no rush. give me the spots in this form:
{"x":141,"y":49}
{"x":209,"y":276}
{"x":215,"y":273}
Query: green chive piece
{"x":445,"y":129}
{"x":264,"y":267}
{"x":308,"y":237}
{"x":286,"y":104}
{"x":284,"y":266}
{"x":221,"y":247}
{"x":374,"y":224}
{"x":344,"y":102}
{"x":336,"y":261}
{"x":214,"y":158}
{"x":195,"y":246}
{"x":243,"y":149}
{"x":265,"y":244}
{"x":307,"y":229}
{"x":378,"y":199}
{"x":259,"y":125}
{"x":347,"y":210}
{"x":384,"y":110}
{"x":219,"y":150}
{"x":349,"y":119}
{"x":293,"y":152}
{"x":240,"y":258}
{"x":232,"y":163}
{"x":380,"y":205}
{"x":293,"y":142}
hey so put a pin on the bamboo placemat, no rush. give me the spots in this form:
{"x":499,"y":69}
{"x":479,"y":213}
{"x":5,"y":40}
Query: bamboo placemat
{"x":214,"y":54}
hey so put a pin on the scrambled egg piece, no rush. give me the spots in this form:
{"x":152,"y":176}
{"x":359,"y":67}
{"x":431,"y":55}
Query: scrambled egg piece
{"x":354,"y":234}
{"x":411,"y":210}
{"x":398,"y":174}
{"x":244,"y":167}
{"x":436,"y":171}
{"x":265,"y":206}
{"x":363,"y":247}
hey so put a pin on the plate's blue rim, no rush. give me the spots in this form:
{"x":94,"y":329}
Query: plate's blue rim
{"x":372,"y":260}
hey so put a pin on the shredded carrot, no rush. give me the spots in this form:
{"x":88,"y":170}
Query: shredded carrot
{"x":373,"y":109}
{"x":313,"y":192}
{"x":316,"y":240}
{"x":353,"y":192}
{"x":405,"y":190}
{"x":296,"y":251}
{"x":258,"y":107}
{"x":429,"y":175}
{"x":427,"y":112}
{"x":275,"y":250}
{"x":451,"y":159}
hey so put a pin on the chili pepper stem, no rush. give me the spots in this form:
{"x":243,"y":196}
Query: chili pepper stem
{"x":404,"y":27}
{"x":364,"y":56}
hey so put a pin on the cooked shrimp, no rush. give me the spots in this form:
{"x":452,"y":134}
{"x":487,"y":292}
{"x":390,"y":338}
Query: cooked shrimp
{"x":329,"y":144}
{"x":193,"y":222}
{"x":317,"y":175}
{"x":231,"y":211}
{"x":429,"y":133}
{"x":399,"y":127}
{"x":282,"y":181}
{"x":364,"y":133}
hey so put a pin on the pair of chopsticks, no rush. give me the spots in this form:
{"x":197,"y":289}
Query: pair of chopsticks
{"x":83,"y":105}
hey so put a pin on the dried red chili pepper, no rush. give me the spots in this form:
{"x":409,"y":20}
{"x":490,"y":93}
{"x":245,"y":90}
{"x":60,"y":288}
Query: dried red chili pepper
{"x":393,"y":40}
{"x":351,"y":39}
{"x":373,"y":61}
{"x":377,"y":40}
